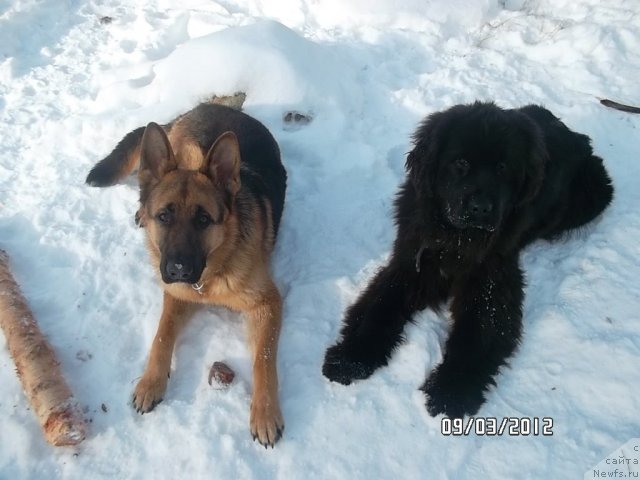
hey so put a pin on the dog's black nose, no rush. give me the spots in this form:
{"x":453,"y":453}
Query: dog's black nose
{"x":181,"y":268}
{"x":481,"y":212}
{"x":179,"y":271}
{"x":480,"y":206}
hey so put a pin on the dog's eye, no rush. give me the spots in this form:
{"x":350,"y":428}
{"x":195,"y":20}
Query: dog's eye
{"x":462,"y":166}
{"x":502,"y":167}
{"x":203,"y":220}
{"x":163,"y":217}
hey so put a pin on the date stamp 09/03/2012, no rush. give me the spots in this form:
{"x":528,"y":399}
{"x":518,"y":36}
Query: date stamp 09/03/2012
{"x":493,"y":426}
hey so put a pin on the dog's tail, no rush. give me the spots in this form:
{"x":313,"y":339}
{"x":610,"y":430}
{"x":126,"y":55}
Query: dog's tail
{"x":125,"y":158}
{"x":119,"y":163}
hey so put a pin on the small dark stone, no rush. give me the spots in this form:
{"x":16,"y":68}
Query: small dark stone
{"x":221,"y":373}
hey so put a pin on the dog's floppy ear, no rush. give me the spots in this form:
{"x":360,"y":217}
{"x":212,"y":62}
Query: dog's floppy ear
{"x":222,"y":163}
{"x":535,"y":161}
{"x":156,"y":159}
{"x":422,"y":161}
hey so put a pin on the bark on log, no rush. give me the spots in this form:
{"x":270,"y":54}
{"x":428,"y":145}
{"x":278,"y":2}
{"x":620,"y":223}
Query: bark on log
{"x":37,"y":366}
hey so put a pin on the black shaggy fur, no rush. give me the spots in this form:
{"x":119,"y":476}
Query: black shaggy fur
{"x":482,"y":183}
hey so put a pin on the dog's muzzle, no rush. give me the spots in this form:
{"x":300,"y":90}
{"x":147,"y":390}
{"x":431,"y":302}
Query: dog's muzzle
{"x":181,"y":270}
{"x":476,"y":211}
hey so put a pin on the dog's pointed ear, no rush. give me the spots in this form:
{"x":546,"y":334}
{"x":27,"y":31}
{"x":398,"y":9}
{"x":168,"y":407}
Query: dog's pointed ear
{"x":156,"y":154}
{"x":156,"y":159}
{"x":222,"y":163}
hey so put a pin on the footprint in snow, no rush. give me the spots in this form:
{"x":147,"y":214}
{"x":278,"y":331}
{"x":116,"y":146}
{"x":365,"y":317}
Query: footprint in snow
{"x":294,"y":120}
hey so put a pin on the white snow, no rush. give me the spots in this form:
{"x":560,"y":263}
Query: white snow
{"x":367,"y":71}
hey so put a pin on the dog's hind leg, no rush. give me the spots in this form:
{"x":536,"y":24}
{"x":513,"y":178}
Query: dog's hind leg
{"x":487,"y":315}
{"x":592,"y":191}
{"x":119,"y":163}
{"x":151,"y":387}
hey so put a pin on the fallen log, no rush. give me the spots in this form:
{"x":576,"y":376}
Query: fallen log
{"x":37,"y":366}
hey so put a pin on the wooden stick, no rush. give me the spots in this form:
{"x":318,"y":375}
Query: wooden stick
{"x":37,"y":366}
{"x":619,"y":106}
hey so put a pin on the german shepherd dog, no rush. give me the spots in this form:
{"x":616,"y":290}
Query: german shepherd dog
{"x":212,"y":190}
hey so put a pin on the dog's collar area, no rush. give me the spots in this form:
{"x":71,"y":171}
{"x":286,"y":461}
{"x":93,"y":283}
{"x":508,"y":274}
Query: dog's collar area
{"x":198,"y":287}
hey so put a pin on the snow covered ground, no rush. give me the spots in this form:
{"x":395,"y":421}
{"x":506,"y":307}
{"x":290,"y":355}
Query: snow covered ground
{"x":73,"y":82}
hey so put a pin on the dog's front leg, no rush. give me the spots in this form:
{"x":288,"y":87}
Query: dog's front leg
{"x":151,"y":387}
{"x":487,"y":315}
{"x":264,"y":321}
{"x":374,"y":324}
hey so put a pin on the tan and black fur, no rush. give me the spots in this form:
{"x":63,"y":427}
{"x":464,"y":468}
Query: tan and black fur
{"x":212,"y":190}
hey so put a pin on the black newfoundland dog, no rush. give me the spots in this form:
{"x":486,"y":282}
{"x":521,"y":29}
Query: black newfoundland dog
{"x":482,"y":183}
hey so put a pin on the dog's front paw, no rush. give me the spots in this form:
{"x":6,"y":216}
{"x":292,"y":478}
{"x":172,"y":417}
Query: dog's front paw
{"x":266,"y":421}
{"x":343,"y":365}
{"x":149,"y":392}
{"x":452,"y":393}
